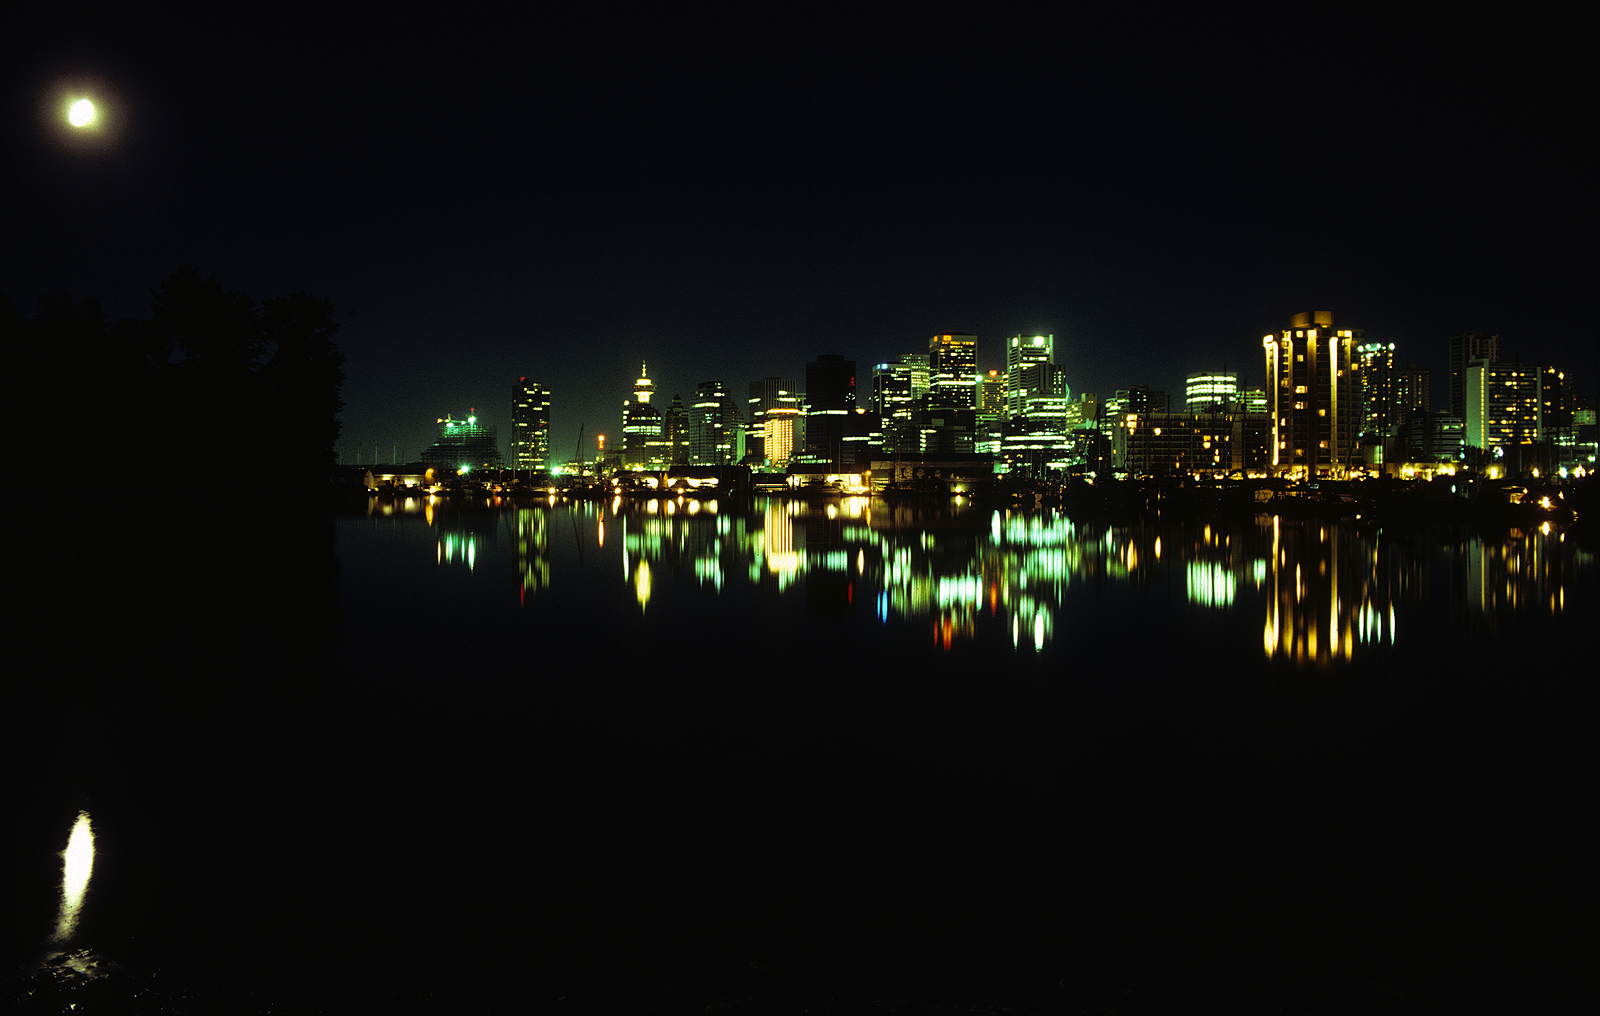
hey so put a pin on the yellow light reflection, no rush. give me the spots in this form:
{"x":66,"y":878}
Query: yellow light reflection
{"x":77,"y":864}
{"x":641,"y":585}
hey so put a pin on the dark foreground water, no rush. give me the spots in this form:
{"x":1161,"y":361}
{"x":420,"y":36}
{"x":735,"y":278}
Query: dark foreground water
{"x":598,"y":758}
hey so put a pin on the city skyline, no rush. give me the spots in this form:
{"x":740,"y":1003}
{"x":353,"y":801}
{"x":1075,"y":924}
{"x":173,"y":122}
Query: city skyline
{"x":863,"y":382}
{"x":1156,"y":200}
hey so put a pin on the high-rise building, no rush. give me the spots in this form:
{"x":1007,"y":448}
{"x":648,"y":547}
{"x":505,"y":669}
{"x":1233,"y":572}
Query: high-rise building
{"x":1464,"y":349}
{"x":830,"y":397}
{"x":1209,"y":391}
{"x":1375,"y":387}
{"x":953,"y":361}
{"x":1022,"y":350}
{"x":530,"y":427}
{"x":1503,"y":405}
{"x":675,"y":432}
{"x":642,"y":425}
{"x":1411,"y":399}
{"x":1315,"y":406}
{"x":1138,"y":399}
{"x":714,"y":438}
{"x":896,"y":387}
{"x":992,"y":394}
{"x":772,"y":398}
{"x":1557,"y":411}
{"x":1082,"y":412}
{"x":1037,"y":379}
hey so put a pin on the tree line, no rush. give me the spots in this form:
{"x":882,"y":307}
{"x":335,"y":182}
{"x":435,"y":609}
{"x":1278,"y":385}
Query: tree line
{"x":213,"y":387}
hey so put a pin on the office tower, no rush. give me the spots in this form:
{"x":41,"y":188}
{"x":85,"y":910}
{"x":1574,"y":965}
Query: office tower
{"x":1375,"y":387}
{"x":675,"y":432}
{"x":530,"y":428}
{"x":778,"y":439}
{"x":953,"y":362}
{"x":641,"y":425}
{"x":1082,"y":412}
{"x":1209,"y":391}
{"x":1556,"y":410}
{"x":830,"y":397}
{"x":1463,"y":350}
{"x":713,"y":426}
{"x":896,"y":386}
{"x":1035,"y":380}
{"x":1503,"y":404}
{"x":1315,"y":410}
{"x":1411,"y":399}
{"x":1137,"y":399}
{"x":992,"y":394}
{"x":772,"y":398}
{"x":1022,"y":350}
{"x":463,"y":446}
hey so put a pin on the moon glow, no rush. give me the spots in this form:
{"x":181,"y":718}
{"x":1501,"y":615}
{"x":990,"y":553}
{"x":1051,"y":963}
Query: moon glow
{"x":81,"y":114}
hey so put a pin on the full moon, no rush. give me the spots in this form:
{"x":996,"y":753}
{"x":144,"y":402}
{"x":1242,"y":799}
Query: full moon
{"x":81,"y":114}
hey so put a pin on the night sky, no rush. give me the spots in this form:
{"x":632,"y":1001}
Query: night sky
{"x":489,"y":197}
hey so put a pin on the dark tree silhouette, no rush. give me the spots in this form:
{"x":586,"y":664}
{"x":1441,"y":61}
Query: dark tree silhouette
{"x":184,"y":432}
{"x":213,"y":384}
{"x":304,"y":374}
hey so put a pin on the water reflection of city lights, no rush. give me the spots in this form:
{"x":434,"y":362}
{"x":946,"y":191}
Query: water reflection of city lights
{"x":1210,"y":584}
{"x":641,"y":585}
{"x":1323,"y":593}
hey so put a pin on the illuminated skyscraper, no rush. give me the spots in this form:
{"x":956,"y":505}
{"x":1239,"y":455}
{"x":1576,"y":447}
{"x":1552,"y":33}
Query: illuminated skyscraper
{"x":1464,"y":349}
{"x":1411,"y":399}
{"x":1022,"y":350}
{"x":896,"y":387}
{"x":714,"y":438}
{"x":675,"y":432}
{"x":773,"y":400}
{"x":1315,"y":407}
{"x":953,"y":361}
{"x":530,"y":427}
{"x":1557,"y":416}
{"x":1209,"y":391}
{"x":1503,"y":405}
{"x":1375,"y":387}
{"x":641,"y":425}
{"x":992,"y":394}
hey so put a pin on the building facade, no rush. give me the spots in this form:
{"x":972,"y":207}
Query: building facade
{"x":1464,"y":349}
{"x":830,"y":398}
{"x":773,"y":405}
{"x":1503,"y":405}
{"x":714,"y":433}
{"x":530,"y":428}
{"x":1315,"y":405}
{"x":1210,"y":390}
{"x":896,"y":389}
{"x":642,"y":426}
{"x":953,"y":363}
{"x":463,"y":446}
{"x":1022,"y":350}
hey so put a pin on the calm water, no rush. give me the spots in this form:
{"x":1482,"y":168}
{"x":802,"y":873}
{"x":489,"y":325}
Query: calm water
{"x":532,"y":752}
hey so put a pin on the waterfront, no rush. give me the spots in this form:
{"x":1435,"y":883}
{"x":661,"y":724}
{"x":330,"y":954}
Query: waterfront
{"x":570,"y":751}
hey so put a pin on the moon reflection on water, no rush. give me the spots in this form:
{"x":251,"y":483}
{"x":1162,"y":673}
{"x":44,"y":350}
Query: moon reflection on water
{"x":77,"y":865}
